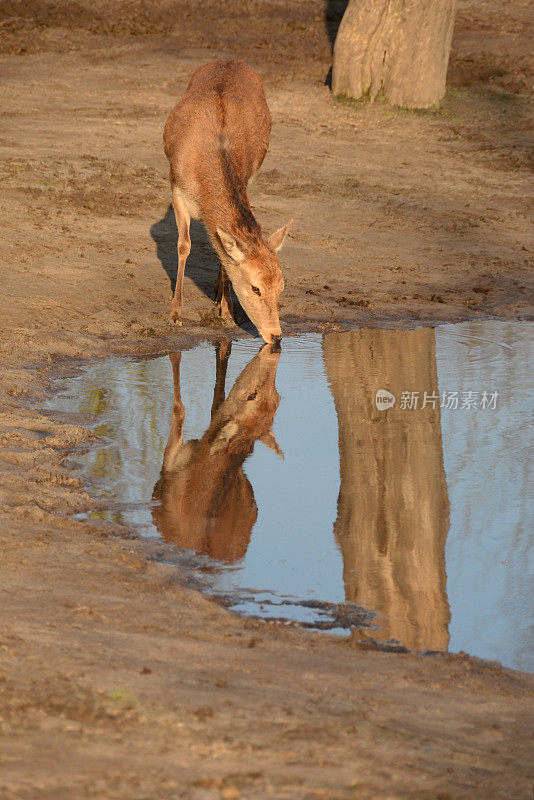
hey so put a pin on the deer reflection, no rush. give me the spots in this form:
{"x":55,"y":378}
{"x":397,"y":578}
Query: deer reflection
{"x":393,"y":511}
{"x":206,"y":501}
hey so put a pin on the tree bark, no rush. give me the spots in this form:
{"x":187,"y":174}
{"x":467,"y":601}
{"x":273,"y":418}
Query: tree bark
{"x":395,"y":49}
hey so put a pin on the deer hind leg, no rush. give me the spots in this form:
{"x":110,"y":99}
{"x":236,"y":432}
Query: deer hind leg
{"x":223,"y":296}
{"x":184,"y":248}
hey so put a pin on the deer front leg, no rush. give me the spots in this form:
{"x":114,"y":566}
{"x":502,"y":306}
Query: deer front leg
{"x":176,"y":435}
{"x":222,"y":354}
{"x":184,"y":248}
{"x":223,"y":296}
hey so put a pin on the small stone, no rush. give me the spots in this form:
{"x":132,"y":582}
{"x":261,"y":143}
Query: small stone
{"x":230,"y":793}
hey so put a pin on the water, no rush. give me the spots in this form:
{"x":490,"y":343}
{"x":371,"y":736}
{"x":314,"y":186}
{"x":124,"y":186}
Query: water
{"x":304,"y":501}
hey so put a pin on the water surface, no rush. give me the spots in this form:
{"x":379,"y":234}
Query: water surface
{"x":409,"y":524}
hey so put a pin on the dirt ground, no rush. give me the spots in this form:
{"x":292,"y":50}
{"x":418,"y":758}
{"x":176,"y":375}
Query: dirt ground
{"x":116,"y":679}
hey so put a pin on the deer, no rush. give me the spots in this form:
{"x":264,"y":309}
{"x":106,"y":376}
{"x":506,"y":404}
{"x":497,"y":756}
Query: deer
{"x":206,"y":502}
{"x":215,"y":139}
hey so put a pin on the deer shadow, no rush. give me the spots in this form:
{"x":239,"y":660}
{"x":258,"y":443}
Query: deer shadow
{"x":202,"y":264}
{"x":333,"y":14}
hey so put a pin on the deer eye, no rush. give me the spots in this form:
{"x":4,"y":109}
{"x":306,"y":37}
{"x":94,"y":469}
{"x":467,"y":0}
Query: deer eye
{"x":256,"y":290}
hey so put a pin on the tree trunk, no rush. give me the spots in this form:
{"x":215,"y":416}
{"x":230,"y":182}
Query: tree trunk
{"x":396,"y":49}
{"x":393,"y":509}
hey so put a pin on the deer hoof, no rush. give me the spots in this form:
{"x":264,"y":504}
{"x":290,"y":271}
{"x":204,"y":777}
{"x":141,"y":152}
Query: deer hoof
{"x":225,"y":313}
{"x":175,"y":318}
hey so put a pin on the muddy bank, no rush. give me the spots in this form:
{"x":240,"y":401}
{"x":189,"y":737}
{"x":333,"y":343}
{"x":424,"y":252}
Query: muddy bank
{"x":119,"y":681}
{"x":399,"y":217}
{"x":116,"y":680}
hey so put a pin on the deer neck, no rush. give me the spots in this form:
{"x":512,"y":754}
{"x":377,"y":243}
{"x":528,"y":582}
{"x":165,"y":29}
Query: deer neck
{"x":228,"y":206}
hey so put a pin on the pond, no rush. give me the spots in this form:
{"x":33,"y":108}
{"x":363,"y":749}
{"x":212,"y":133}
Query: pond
{"x":376,"y":483}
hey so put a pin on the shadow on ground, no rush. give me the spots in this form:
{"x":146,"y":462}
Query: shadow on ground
{"x":202,"y":264}
{"x":333,"y":14}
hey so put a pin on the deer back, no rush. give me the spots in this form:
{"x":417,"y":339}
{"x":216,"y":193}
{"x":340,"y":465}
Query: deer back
{"x":222,"y":119}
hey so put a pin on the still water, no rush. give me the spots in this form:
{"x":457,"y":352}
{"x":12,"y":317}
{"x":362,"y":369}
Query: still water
{"x":406,"y":519}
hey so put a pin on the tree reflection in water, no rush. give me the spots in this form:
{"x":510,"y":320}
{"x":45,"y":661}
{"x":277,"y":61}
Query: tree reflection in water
{"x":393,"y":509}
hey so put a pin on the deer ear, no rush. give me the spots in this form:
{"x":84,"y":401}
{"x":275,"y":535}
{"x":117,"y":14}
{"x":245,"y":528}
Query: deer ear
{"x":269,"y":440}
{"x":276,"y":240}
{"x":234,"y":248}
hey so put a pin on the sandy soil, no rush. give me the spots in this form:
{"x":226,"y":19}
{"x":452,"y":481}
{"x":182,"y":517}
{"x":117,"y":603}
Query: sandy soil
{"x":116,"y":679}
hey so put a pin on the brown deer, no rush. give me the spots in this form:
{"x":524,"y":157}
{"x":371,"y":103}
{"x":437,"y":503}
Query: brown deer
{"x":206,"y":500}
{"x":216,"y":138}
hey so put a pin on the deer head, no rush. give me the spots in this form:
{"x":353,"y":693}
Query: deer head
{"x":256,"y":277}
